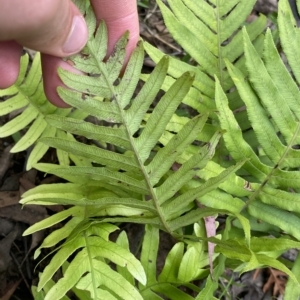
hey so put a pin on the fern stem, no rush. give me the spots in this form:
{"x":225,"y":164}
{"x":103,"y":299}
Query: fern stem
{"x":142,"y":168}
{"x":115,"y":96}
{"x":91,"y":266}
{"x":219,"y":43}
{"x":289,"y":146}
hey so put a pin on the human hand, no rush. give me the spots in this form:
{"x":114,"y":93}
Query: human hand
{"x":57,"y":29}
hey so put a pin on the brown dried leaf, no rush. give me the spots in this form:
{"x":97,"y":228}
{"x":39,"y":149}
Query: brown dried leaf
{"x":30,"y":214}
{"x":9,"y":198}
{"x":5,"y":161}
{"x":278,"y":280}
{"x":11,"y":289}
{"x":11,"y":183}
{"x":27,"y":181}
{"x":5,"y":245}
{"x":6,"y":226}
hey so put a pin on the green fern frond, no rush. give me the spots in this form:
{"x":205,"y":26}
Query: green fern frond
{"x":88,"y":270}
{"x":142,"y":172}
{"x":270,"y":110}
{"x":113,"y":185}
{"x":27,"y":103}
{"x":182,"y":266}
{"x":215,"y":29}
{"x":156,"y":168}
{"x":271,"y":96}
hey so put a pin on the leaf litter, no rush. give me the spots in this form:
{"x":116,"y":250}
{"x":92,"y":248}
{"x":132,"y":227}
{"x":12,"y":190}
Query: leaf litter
{"x":16,"y":268}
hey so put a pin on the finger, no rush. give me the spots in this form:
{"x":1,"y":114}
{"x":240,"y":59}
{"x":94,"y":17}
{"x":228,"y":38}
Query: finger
{"x":54,"y":27}
{"x":51,"y":80}
{"x":9,"y":63}
{"x":119,"y":17}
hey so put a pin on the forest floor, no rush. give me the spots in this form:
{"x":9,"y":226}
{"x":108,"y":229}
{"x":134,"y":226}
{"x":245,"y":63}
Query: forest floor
{"x":18,"y":269}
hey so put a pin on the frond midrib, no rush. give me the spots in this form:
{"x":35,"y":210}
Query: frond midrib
{"x":220,"y":58}
{"x":134,"y":149}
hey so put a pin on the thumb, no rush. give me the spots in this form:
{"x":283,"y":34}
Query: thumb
{"x":54,"y":27}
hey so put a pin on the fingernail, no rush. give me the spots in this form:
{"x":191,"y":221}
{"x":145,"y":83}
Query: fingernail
{"x":77,"y":37}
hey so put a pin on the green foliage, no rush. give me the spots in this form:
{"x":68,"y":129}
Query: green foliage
{"x":99,"y":189}
{"x":271,"y":97}
{"x":238,"y":158}
{"x":27,"y":105}
{"x":143,"y":3}
{"x":216,"y":31}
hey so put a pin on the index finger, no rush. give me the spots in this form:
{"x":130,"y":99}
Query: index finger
{"x":119,"y":16}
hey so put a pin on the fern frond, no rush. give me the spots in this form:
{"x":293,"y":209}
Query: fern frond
{"x":140,"y":171}
{"x":291,"y":289}
{"x":182,"y":265}
{"x":240,"y":149}
{"x":95,"y":246}
{"x":187,"y":197}
{"x":254,"y":260}
{"x":268,"y":91}
{"x":27,"y":101}
{"x":155,"y":168}
{"x":112,"y":186}
{"x":268,"y":141}
{"x":272,"y":98}
{"x":215,"y":29}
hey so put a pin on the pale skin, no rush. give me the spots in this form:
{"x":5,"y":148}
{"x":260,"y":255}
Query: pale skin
{"x":47,"y":26}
